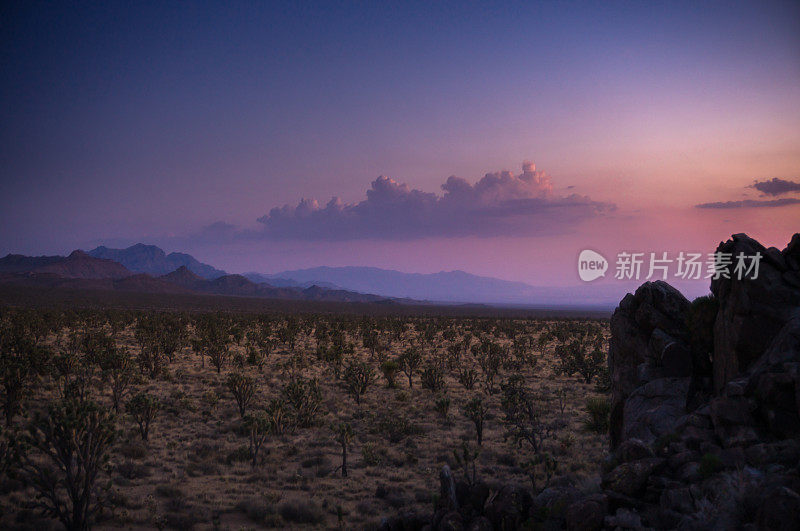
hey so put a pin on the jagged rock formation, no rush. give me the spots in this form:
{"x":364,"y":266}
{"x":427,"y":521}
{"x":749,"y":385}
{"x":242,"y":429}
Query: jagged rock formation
{"x":705,"y":422}
{"x":715,"y":437}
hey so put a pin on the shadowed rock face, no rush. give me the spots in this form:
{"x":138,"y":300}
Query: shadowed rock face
{"x":649,"y":345}
{"x":694,"y":439}
{"x":753,"y":311}
{"x":656,"y":370}
{"x":705,"y":422}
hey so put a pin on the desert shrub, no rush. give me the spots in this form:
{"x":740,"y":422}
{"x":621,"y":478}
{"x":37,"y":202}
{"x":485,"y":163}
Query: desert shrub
{"x":69,"y":447}
{"x":432,"y":376}
{"x":442,"y":405}
{"x":256,"y":357}
{"x":490,"y":357}
{"x":143,"y":408}
{"x":394,"y":427}
{"x":301,"y":511}
{"x":374,"y":454}
{"x":240,"y":454}
{"x":542,"y":464}
{"x":304,"y":397}
{"x":603,"y":382}
{"x":259,"y":510}
{"x":475,"y":410}
{"x":389,"y":368}
{"x":358,"y":376}
{"x":212,"y":340}
{"x":277,"y":416}
{"x":599,"y":410}
{"x":132,"y":450}
{"x":243,"y":389}
{"x":21,"y":360}
{"x":575,"y":358}
{"x":131,"y":470}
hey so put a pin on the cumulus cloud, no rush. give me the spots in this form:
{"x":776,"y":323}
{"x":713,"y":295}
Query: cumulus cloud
{"x":750,"y":203}
{"x":776,"y":186}
{"x":499,"y":204}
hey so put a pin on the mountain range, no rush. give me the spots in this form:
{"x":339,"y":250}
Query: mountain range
{"x":141,"y":258}
{"x":81,"y":270}
{"x":448,"y":287}
{"x":148,"y":268}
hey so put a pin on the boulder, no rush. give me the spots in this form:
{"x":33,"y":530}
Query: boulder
{"x":779,"y":510}
{"x":451,"y":521}
{"x":647,"y":331}
{"x":624,"y":519}
{"x":654,"y":409}
{"x":630,"y":479}
{"x":509,"y":508}
{"x":587,"y":513}
{"x":752,"y":311}
{"x":480,"y":523}
{"x":633,"y":449}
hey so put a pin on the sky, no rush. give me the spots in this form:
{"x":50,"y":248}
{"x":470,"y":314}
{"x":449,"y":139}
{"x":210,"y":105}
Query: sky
{"x":495,"y":138}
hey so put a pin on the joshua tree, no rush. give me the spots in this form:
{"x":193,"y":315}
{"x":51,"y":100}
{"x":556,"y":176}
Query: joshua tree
{"x":21,"y":360}
{"x":409,"y":362}
{"x":143,"y":408}
{"x":523,"y":416}
{"x":69,"y":447}
{"x":117,"y":367}
{"x":467,"y":376}
{"x":575,"y":358}
{"x":258,"y":427}
{"x":432,"y":376}
{"x":344,"y":434}
{"x":475,"y":410}
{"x":358,"y":376}
{"x":243,"y":389}
{"x":466,"y":459}
{"x":304,"y":397}
{"x":389,"y":369}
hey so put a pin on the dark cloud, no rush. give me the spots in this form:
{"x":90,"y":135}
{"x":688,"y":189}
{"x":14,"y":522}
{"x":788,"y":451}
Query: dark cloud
{"x":776,"y":186}
{"x":751,"y":203}
{"x":499,"y":204}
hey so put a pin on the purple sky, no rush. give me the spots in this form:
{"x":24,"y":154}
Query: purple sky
{"x":201,"y":128}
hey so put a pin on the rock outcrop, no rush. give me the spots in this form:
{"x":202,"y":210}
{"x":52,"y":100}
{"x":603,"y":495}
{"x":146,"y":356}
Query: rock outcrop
{"x":705,"y":420}
{"x":723,"y":429}
{"x":649,"y":361}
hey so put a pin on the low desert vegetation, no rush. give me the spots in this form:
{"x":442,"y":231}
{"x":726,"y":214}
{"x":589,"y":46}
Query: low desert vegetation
{"x":146,"y":419}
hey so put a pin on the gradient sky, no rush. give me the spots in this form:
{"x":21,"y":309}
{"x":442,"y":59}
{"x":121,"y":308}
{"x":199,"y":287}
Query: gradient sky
{"x":127,"y":122}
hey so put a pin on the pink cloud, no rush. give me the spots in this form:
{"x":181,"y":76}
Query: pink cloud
{"x":499,"y":204}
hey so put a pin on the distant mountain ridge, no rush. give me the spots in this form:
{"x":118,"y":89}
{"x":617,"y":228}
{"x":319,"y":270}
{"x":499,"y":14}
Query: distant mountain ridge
{"x":81,"y":271}
{"x":450,"y":286}
{"x":78,"y":265}
{"x":141,"y":258}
